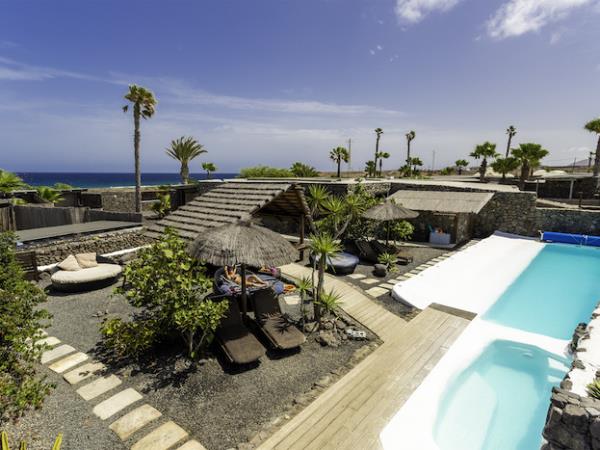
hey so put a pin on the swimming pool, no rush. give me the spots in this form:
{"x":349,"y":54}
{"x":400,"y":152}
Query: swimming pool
{"x":491,"y":390}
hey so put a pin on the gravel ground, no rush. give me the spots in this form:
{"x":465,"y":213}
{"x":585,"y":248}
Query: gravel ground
{"x":218,"y":404}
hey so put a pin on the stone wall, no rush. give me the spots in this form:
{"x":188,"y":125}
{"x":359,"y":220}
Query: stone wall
{"x":568,"y":220}
{"x":584,"y":187}
{"x":511,"y":212}
{"x":99,"y":243}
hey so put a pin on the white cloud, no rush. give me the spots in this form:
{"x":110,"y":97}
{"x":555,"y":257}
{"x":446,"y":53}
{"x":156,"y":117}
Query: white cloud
{"x":517,"y":17}
{"x":11,"y":70}
{"x":414,"y":11}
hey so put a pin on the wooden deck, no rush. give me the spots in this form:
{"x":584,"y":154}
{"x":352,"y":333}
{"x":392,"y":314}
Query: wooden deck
{"x":353,"y":411}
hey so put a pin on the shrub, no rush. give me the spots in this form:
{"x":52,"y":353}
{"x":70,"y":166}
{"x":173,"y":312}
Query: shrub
{"x":388,"y":260}
{"x":10,"y":182}
{"x":264,"y":172}
{"x":401,"y":230}
{"x":593,"y":389}
{"x":299,"y":169}
{"x":20,"y":322}
{"x":172,"y":289}
{"x":162,"y":206}
{"x":48,"y":194}
{"x":329,"y":302}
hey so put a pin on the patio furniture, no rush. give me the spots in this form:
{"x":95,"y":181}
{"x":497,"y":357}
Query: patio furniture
{"x":223,"y":285}
{"x":103,"y":274}
{"x":278,"y":330}
{"x":239,"y":345}
{"x":341,"y":263}
{"x":366,"y":252}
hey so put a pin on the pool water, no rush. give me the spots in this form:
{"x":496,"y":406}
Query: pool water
{"x":501,"y":399}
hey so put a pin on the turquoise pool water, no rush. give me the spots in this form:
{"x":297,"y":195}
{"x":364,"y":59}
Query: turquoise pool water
{"x":501,"y":399}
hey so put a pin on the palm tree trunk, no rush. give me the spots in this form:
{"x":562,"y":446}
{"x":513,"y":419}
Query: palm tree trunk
{"x":597,"y":161}
{"x":376,"y":153}
{"x":524,"y":175}
{"x":339,"y":162}
{"x":482,"y":170}
{"x":136,"y":155}
{"x":320,"y":283}
{"x":184,"y":172}
{"x":508,"y":144}
{"x":380,"y":167}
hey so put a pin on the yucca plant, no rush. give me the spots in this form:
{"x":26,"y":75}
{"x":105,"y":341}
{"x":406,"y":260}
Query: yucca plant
{"x":322,"y":246}
{"x":48,"y":194}
{"x":593,"y":389}
{"x":23,"y":445}
{"x":305,"y":289}
{"x":330,"y":302}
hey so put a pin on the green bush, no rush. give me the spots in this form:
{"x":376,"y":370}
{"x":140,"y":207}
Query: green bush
{"x":171,"y":288}
{"x":162,"y":206}
{"x":20,"y":322}
{"x":388,"y":260}
{"x":329,"y":302}
{"x":302,"y":170}
{"x":264,"y":172}
{"x":401,"y":230}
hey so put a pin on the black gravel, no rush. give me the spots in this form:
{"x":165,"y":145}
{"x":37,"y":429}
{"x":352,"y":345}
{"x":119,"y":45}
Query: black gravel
{"x":218,"y":404}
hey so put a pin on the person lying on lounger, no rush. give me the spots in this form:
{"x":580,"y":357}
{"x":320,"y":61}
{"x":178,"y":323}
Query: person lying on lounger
{"x":251,"y":280}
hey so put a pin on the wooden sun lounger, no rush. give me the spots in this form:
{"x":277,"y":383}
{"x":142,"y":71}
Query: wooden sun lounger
{"x":238,"y":343}
{"x":279,"y":331}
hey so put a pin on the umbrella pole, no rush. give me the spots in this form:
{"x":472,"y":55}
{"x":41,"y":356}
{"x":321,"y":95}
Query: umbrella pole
{"x":387,"y":236}
{"x":244,"y":295}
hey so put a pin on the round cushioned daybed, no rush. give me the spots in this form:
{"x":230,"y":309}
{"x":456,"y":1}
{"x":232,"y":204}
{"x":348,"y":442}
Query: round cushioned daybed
{"x":86,"y":279}
{"x":341,"y":263}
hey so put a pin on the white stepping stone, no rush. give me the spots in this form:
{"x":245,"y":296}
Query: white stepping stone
{"x":133,"y":421}
{"x":192,"y":445}
{"x":98,"y":387}
{"x":369,"y":281}
{"x":56,"y":353}
{"x":354,"y":276}
{"x":116,"y":403}
{"x":409,"y":275}
{"x":51,"y":341}
{"x":377,"y":291}
{"x":386,"y":286}
{"x":62,"y":365}
{"x":163,"y":438}
{"x":83,"y":373}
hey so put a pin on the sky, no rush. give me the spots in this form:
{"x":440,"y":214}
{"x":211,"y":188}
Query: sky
{"x":277,"y":81}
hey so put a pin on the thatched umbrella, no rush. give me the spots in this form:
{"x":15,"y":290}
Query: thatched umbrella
{"x":387,"y":211}
{"x":243,"y":243}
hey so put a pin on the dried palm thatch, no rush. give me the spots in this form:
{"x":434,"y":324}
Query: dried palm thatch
{"x":389,"y":210}
{"x":243,"y":243}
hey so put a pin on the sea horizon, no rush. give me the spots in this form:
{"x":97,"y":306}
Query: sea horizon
{"x":91,"y":180}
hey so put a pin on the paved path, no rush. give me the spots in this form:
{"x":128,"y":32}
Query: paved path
{"x":353,"y":411}
{"x":36,"y":234}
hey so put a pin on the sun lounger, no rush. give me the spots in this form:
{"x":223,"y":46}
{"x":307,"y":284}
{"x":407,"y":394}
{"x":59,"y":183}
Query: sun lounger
{"x":278,"y":330}
{"x":239,"y":345}
{"x":366,"y":252}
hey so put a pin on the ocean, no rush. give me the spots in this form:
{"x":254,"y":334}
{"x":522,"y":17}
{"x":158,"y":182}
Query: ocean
{"x":105,"y":180}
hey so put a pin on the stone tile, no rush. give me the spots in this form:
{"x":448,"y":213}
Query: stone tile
{"x":369,"y":281}
{"x":56,"y":353}
{"x":163,"y":438}
{"x":69,"y":362}
{"x":377,"y":291}
{"x":133,"y":421}
{"x":192,"y":445}
{"x":116,"y":403}
{"x":51,"y":341}
{"x":356,"y":276}
{"x":83,"y":373}
{"x":98,"y":387}
{"x":409,"y":275}
{"x":386,"y":286}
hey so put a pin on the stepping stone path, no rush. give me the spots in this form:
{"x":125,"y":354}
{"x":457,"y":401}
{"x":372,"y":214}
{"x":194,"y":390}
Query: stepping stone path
{"x":66,"y":360}
{"x":369,"y":281}
{"x":356,"y":276}
{"x":377,"y":291}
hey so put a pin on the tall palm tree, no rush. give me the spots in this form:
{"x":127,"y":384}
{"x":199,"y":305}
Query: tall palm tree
{"x":505,"y":165}
{"x":483,"y":152}
{"x":378,"y":132}
{"x":528,"y":155}
{"x":337,"y":155}
{"x":184,"y":150}
{"x":144,"y":106}
{"x":370,"y":168}
{"x":511,"y":132}
{"x":322,"y":246}
{"x":382,"y":156}
{"x":409,"y":138}
{"x":413,"y":163}
{"x":461,"y":164}
{"x":593,"y":126}
{"x":209,"y":167}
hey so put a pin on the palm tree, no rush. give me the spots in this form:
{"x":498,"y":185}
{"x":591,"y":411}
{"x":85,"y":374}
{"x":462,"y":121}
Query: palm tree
{"x":10,"y":182}
{"x":460,"y":164}
{"x":322,"y":246}
{"x":184,"y":150}
{"x":382,"y":156}
{"x":370,"y":168}
{"x":528,"y":155}
{"x":511,"y":131}
{"x":413,"y":163}
{"x":378,"y":132}
{"x":209,"y":167}
{"x":505,"y":165}
{"x":409,"y":137}
{"x":48,"y":194}
{"x":484,"y":151}
{"x":144,"y":106}
{"x":337,"y":155}
{"x":594,"y":127}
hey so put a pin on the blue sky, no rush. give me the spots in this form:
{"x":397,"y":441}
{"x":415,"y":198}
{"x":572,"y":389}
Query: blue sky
{"x":278,"y":81}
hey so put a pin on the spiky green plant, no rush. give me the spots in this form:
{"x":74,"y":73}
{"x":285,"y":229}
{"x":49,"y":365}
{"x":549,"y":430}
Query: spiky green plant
{"x":339,"y":155}
{"x":184,"y":150}
{"x":389,"y":261}
{"x":330,"y":302}
{"x":593,"y":389}
{"x":317,"y":195}
{"x":322,"y":246}
{"x":505,"y":165}
{"x":305,"y":289}
{"x":144,"y":107}
{"x":162,"y":206}
{"x":49,"y":195}
{"x":528,"y":156}
{"x":10,"y":182}
{"x":23,"y":444}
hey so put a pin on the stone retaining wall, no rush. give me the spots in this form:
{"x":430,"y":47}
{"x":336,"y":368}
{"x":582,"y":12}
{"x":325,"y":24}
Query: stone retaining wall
{"x":99,"y":243}
{"x":568,"y":220}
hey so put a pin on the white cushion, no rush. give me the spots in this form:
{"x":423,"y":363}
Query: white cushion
{"x":99,"y":273}
{"x":69,"y":264}
{"x":86,"y":260}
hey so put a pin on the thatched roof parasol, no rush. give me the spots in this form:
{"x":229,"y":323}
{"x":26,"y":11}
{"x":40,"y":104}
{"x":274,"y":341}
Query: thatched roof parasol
{"x":243,"y":243}
{"x":389,"y":210}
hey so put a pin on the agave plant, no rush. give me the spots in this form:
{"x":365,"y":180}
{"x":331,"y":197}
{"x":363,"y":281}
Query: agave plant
{"x":593,"y":389}
{"x":305,"y":289}
{"x":389,"y":261}
{"x":330,"y":302}
{"x":48,"y":194}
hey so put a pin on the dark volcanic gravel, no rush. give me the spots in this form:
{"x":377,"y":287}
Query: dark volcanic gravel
{"x":216,"y":403}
